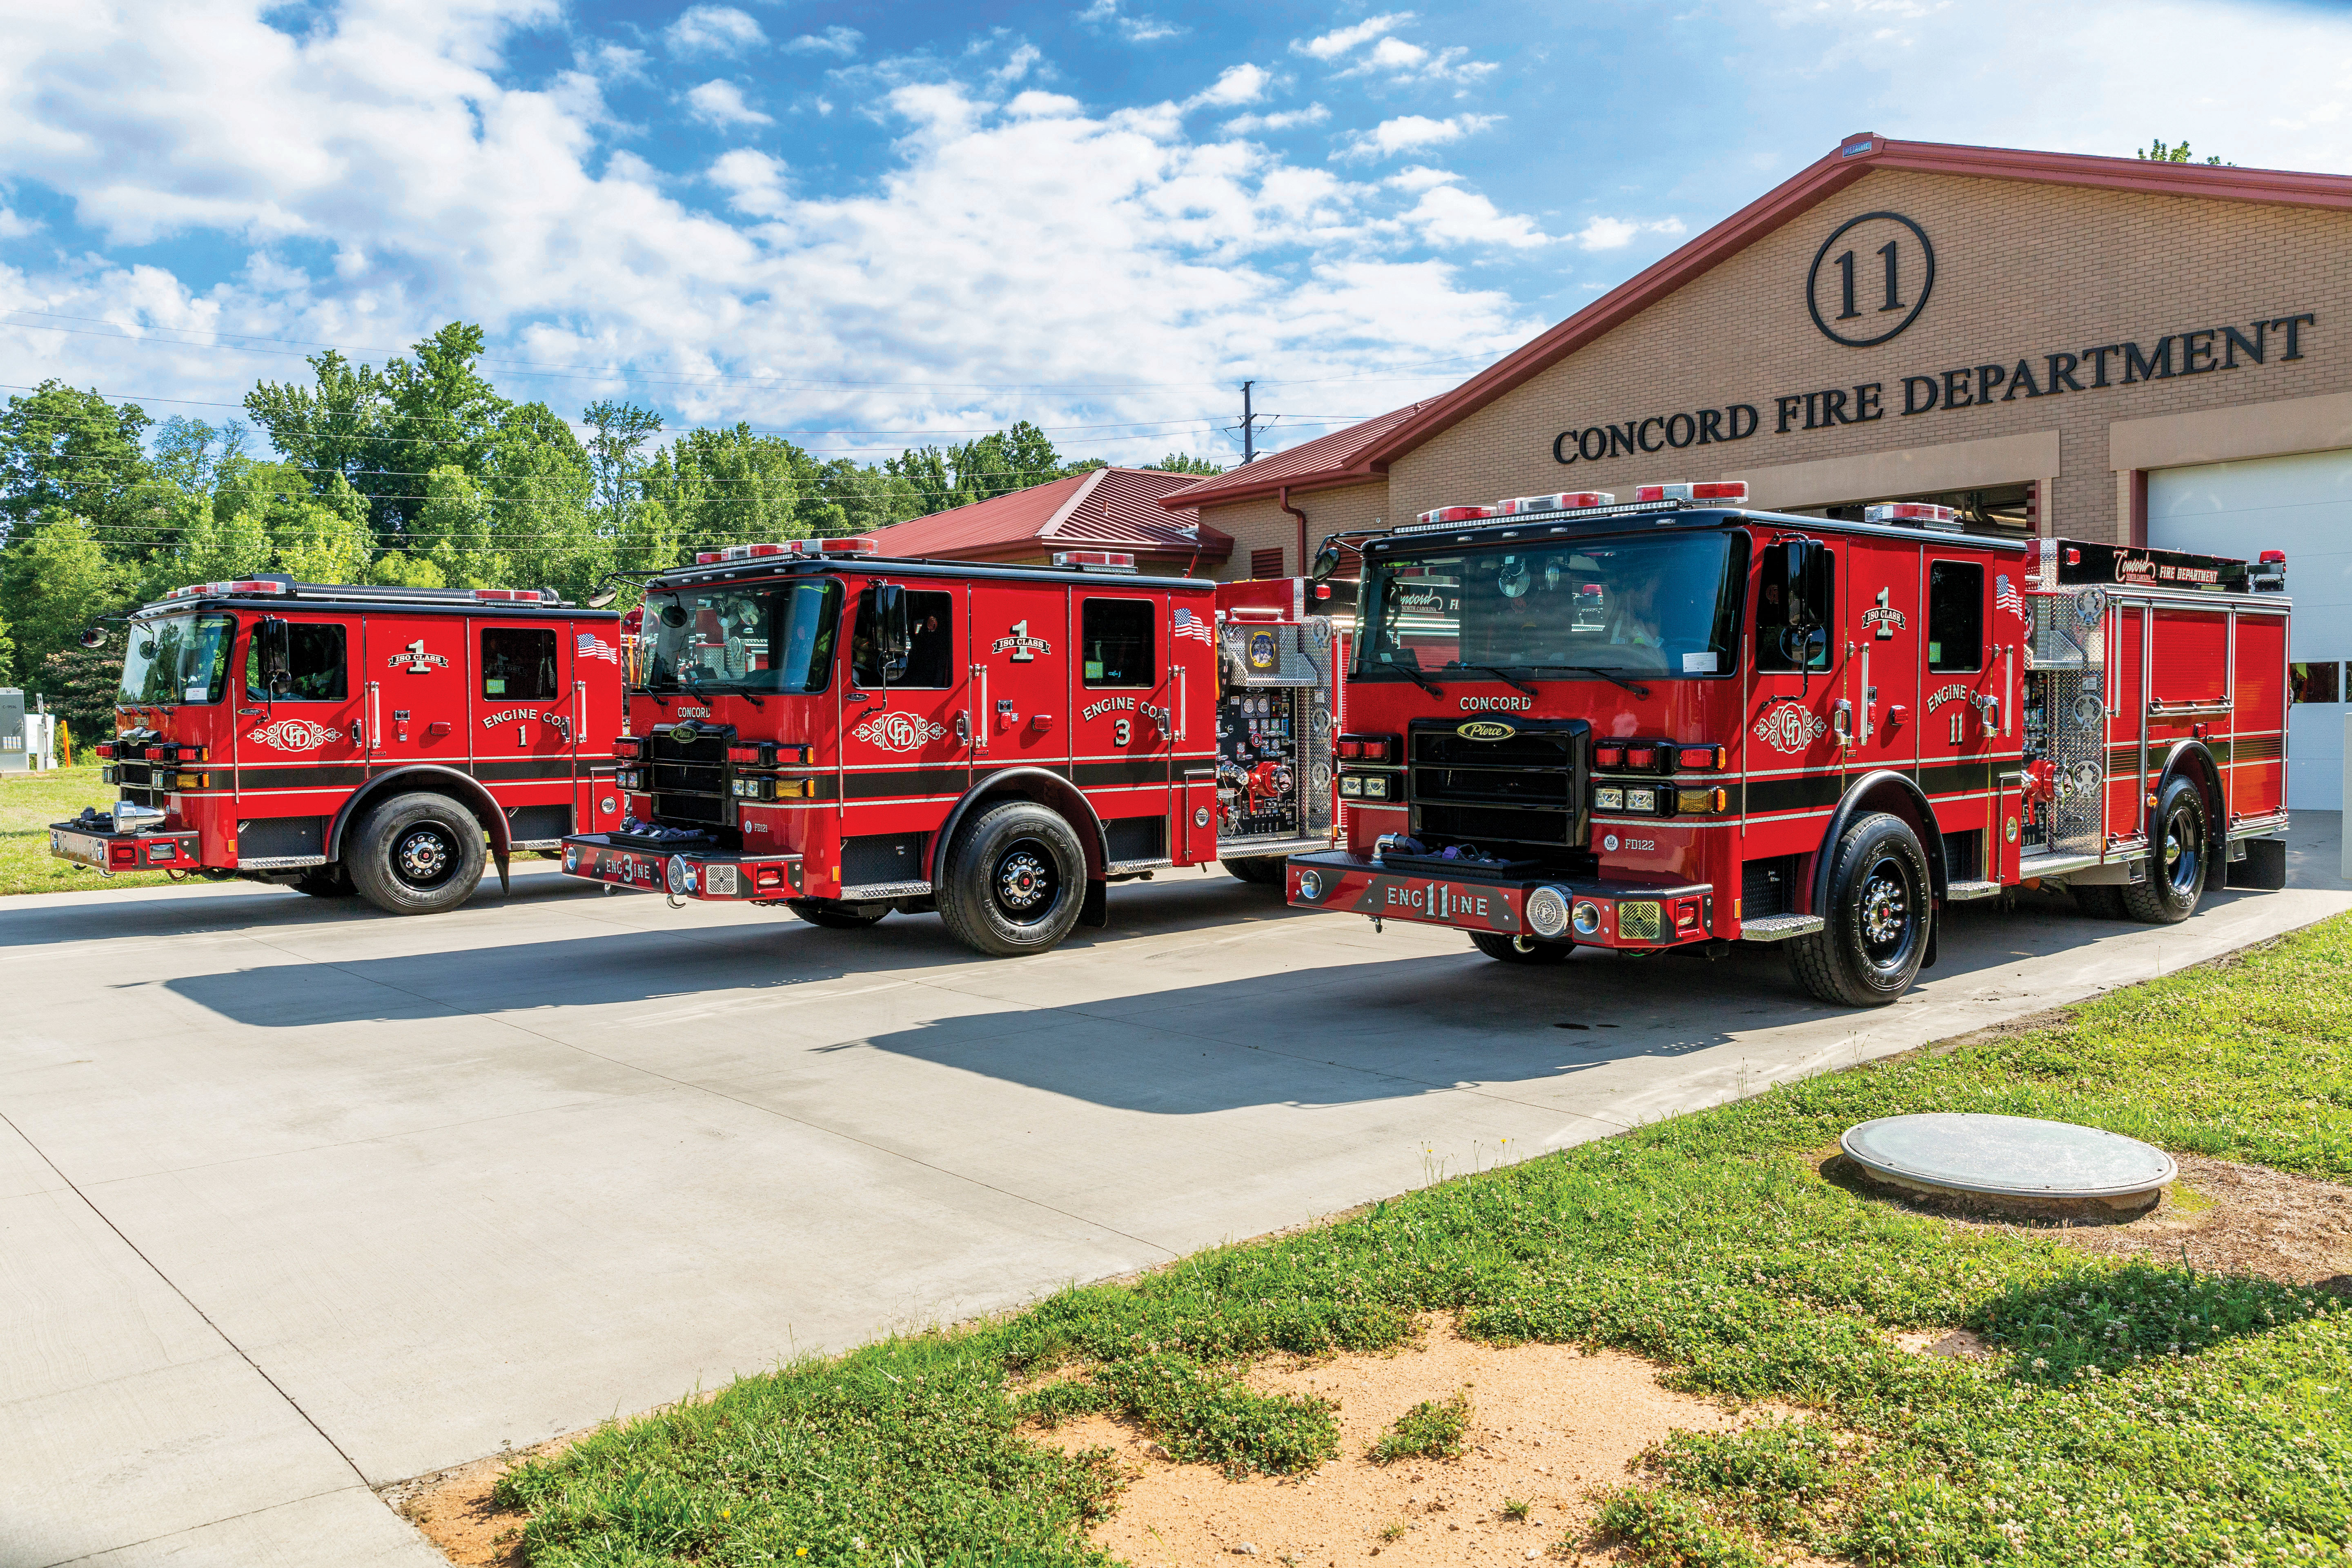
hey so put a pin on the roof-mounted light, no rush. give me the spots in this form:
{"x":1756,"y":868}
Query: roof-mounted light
{"x":515,"y":595}
{"x":1731,"y":492}
{"x":1456,"y":514}
{"x":1565,"y":500}
{"x":243,"y":586}
{"x":1924,"y":513}
{"x":1095,"y":560}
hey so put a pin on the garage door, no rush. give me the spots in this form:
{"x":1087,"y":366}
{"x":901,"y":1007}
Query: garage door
{"x":2302,"y":505}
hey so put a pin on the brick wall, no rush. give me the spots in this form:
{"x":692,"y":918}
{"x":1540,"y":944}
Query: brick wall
{"x":1264,"y":525}
{"x":2022,"y":270}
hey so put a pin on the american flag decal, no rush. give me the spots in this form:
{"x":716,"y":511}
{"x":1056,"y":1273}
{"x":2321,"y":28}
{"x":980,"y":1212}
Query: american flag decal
{"x":593,"y":646}
{"x":2006,"y":597}
{"x":1190,"y":625}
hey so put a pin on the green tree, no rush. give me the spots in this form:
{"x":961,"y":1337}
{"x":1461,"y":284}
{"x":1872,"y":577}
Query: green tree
{"x":443,"y":413}
{"x":54,"y":581}
{"x":1186,"y":463}
{"x":452,"y":530}
{"x":64,"y":451}
{"x":334,"y":427}
{"x":197,"y":458}
{"x":733,"y":487}
{"x":80,"y":684}
{"x":994,"y":464}
{"x":2161,"y":151}
{"x":616,"y":432}
{"x":544,"y":489}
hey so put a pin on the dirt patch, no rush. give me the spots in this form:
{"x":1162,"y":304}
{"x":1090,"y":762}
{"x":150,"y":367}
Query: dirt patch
{"x":452,"y":1507}
{"x":1548,"y":1425}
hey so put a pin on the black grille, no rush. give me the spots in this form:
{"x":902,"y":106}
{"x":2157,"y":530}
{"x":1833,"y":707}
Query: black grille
{"x":689,"y":777}
{"x":1964,"y":855}
{"x":1137,"y":837}
{"x":1768,"y":887}
{"x":870,"y":857}
{"x":1525,"y":788}
{"x":268,"y":838}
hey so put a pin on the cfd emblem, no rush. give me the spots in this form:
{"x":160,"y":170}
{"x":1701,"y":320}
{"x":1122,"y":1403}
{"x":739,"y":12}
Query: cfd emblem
{"x":898,"y":732}
{"x":1486,"y":729}
{"x":1790,"y":729}
{"x":293,"y":735}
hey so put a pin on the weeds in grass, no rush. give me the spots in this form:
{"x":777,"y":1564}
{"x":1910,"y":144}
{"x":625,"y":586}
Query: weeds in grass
{"x":1431,"y":1429}
{"x":2129,"y":1411}
{"x":1394,"y":1531}
{"x":1517,"y":1510}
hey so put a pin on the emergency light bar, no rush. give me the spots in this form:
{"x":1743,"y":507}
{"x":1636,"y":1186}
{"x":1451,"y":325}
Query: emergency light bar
{"x":853,"y":544}
{"x":215,"y":590}
{"x":1735,"y":491}
{"x":1456,"y":514}
{"x":515,"y":595}
{"x":1097,"y":560}
{"x":1568,"y":500}
{"x":1919,"y":512}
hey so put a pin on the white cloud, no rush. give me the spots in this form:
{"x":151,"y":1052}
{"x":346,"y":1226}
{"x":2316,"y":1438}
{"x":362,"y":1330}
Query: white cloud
{"x":1446,"y":216}
{"x":1288,"y":120}
{"x":1616,"y":233}
{"x":1409,"y":132}
{"x":1337,"y":42}
{"x":753,"y":181}
{"x":1235,"y":86}
{"x":1135,"y":29}
{"x":713,"y":30}
{"x":720,"y":103}
{"x":834,"y":40}
{"x":1018,"y":65}
{"x":1420,"y":177}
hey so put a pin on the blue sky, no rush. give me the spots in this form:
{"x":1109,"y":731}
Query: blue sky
{"x":872,"y":224}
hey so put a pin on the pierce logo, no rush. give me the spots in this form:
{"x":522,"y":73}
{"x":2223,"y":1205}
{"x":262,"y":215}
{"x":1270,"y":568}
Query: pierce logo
{"x":1486,"y":729}
{"x":1790,"y":729}
{"x":898,"y":732}
{"x":293,"y":735}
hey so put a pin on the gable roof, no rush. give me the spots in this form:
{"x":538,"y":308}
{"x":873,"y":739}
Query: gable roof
{"x":1106,"y":509}
{"x":1363,"y":452}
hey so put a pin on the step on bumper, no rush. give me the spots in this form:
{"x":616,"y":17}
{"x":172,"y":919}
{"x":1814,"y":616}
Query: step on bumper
{"x":1619,"y":914}
{"x":108,"y":851}
{"x":706,"y":874}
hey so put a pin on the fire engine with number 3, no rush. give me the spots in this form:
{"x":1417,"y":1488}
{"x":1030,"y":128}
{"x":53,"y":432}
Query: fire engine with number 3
{"x":849,"y":735}
{"x":1679,"y":722}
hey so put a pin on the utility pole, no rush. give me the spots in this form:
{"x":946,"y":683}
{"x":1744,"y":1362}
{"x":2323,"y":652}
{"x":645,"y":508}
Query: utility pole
{"x":1249,"y":426}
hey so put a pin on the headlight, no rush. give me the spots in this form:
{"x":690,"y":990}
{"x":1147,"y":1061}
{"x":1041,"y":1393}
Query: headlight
{"x":1587,"y":917}
{"x":1611,"y":799}
{"x":1350,"y":784}
{"x":1642,"y":800}
{"x":1376,"y":787}
{"x":1310,"y":886}
{"x":1548,"y":912}
{"x":679,"y":875}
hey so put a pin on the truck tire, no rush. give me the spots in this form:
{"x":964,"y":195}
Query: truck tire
{"x":832,"y":914}
{"x":2177,"y":861}
{"x":1014,"y":881}
{"x":324,"y":882}
{"x":1495,"y":944}
{"x":1880,"y":911}
{"x":2102,"y":902}
{"x":1264,"y":869}
{"x":416,"y":854}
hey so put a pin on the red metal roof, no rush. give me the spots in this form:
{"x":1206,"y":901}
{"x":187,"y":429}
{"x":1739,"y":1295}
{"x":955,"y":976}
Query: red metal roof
{"x":1102,"y":509}
{"x":1363,"y":451}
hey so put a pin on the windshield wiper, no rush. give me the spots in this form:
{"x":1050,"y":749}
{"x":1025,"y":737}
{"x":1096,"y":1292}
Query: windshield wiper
{"x":1604,"y":672}
{"x":1505,"y":675}
{"x":1418,"y":679}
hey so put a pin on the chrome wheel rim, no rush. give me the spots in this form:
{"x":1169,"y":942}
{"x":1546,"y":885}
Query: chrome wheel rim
{"x":1025,"y":881}
{"x":423,"y":855}
{"x":1888,"y":914}
{"x":2184,"y":856}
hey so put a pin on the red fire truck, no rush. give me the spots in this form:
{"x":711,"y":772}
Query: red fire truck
{"x":336,"y":740}
{"x":1678,"y":722}
{"x":818,"y":726}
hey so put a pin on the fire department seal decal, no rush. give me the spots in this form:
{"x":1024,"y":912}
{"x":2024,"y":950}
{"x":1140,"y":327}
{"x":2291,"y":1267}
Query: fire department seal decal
{"x":898,"y":732}
{"x":293,"y":735}
{"x":1263,"y":653}
{"x":1790,"y":729}
{"x":1486,"y":729}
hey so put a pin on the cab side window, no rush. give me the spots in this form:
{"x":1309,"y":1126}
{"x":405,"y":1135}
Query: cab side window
{"x":519,"y":663}
{"x":314,"y":666}
{"x":1115,"y":639}
{"x":1772,"y":651}
{"x":930,"y":657}
{"x":1955,"y":616}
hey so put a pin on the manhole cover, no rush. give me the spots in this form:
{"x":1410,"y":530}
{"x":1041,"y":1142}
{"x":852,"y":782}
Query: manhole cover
{"x":2017,"y":1157}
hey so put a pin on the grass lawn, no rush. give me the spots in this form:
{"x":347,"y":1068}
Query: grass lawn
{"x":2132,"y":1411}
{"x":28,"y":804}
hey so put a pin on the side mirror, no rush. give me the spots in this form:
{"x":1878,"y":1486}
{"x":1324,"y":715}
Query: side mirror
{"x":93,"y":637}
{"x":1327,"y":561}
{"x":276,"y":658}
{"x":599,"y":601}
{"x":673,"y":613}
{"x":1805,"y":568}
{"x":893,"y":641}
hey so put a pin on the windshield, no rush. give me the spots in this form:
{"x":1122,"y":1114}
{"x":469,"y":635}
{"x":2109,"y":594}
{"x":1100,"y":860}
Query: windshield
{"x":176,"y":659}
{"x":1652,"y":606}
{"x":771,"y":638}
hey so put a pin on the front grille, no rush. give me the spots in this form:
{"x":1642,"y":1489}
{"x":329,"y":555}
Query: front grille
{"x":690,"y":778}
{"x":1524,"y":789}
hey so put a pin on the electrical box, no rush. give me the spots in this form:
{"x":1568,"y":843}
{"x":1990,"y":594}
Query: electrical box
{"x":15,"y":755}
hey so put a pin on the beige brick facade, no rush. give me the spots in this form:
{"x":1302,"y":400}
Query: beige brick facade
{"x":2025,"y":271}
{"x":1264,"y":525}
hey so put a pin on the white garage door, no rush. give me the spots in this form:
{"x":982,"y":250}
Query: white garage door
{"x":2302,"y":505}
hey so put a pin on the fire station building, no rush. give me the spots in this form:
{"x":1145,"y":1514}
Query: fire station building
{"x":2151,"y":354}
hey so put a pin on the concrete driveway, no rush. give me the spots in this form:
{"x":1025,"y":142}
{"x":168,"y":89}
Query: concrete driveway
{"x":297,"y":1200}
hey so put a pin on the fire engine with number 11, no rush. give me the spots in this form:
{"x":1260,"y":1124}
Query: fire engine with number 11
{"x":1678,"y":722}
